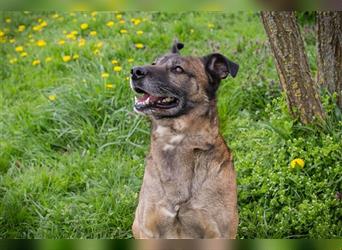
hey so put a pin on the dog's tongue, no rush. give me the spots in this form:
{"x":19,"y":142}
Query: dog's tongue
{"x":146,"y":96}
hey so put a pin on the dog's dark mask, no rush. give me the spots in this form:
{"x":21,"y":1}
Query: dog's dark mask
{"x":173,"y":84}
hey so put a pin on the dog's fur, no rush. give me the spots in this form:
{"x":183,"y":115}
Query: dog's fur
{"x":189,"y":185}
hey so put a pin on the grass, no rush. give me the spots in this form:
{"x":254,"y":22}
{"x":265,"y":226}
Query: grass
{"x":72,"y":149}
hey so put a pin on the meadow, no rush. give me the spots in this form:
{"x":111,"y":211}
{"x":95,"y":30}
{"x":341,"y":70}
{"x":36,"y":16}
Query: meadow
{"x":72,"y":149}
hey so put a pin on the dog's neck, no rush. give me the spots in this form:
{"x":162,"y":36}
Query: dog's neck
{"x":199,"y":126}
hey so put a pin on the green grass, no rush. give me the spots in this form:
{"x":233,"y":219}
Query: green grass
{"x":72,"y":167}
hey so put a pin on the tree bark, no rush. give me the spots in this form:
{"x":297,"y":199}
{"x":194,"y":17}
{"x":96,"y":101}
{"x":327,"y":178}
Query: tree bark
{"x":292,"y":65}
{"x":329,"y":35}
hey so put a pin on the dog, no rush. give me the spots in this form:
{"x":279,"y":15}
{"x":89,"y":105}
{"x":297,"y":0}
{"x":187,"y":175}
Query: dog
{"x":189,"y":185}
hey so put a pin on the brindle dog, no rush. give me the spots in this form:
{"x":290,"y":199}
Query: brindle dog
{"x":189,"y":186}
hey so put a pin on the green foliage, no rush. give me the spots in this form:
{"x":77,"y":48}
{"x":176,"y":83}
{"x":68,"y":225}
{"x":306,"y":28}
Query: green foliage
{"x":72,"y":150}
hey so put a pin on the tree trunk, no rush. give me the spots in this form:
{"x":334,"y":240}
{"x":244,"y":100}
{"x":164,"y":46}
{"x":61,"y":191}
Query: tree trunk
{"x":292,"y":65}
{"x":329,"y":35}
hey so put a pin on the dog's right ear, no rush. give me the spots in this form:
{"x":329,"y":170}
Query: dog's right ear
{"x":177,"y":46}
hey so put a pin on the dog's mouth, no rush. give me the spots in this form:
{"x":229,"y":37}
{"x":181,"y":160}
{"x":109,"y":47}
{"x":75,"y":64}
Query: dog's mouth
{"x":145,"y":100}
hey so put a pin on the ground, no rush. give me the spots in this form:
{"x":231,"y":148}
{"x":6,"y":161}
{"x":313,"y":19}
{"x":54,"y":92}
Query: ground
{"x":72,"y":149}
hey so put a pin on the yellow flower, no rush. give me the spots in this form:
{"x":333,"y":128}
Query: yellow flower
{"x":36,"y":62}
{"x":84,"y":26}
{"x":122,"y":21}
{"x":13,"y":60}
{"x":81,"y":42}
{"x":104,"y":75}
{"x":118,"y":16}
{"x":61,"y":42}
{"x":66,"y":58}
{"x":297,"y":163}
{"x":140,"y":32}
{"x":96,"y":51}
{"x":37,"y":28}
{"x":110,"y":24}
{"x":99,"y":45}
{"x":52,"y":97}
{"x":2,"y":33}
{"x":123,"y":31}
{"x":109,"y":86}
{"x":48,"y":59}
{"x":136,"y":21}
{"x":43,"y":24}
{"x":8,"y":20}
{"x":130,"y":60}
{"x":19,"y":49}
{"x":115,"y":62}
{"x":117,"y":68}
{"x":93,"y":33}
{"x":94,"y":13}
{"x":21,"y":28}
{"x":41,"y":43}
{"x":76,"y":56}
{"x":210,"y":25}
{"x":71,"y":36}
{"x":139,"y":45}
{"x":23,"y":54}
{"x":12,"y":40}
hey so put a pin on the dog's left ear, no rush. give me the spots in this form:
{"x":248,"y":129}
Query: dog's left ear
{"x":177,"y":46}
{"x":219,"y":66}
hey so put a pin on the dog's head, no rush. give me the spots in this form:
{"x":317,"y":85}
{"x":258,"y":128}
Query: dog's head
{"x":173,"y":84}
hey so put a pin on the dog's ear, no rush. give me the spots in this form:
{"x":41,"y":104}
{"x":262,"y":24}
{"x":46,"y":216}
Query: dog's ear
{"x":219,"y":66}
{"x":177,"y":46}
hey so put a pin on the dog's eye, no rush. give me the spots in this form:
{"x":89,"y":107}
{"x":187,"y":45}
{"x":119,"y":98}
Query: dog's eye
{"x":178,"y":69}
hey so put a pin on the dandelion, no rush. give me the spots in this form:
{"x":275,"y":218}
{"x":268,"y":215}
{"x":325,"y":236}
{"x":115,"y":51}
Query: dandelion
{"x":136,"y":21}
{"x":123,"y":31}
{"x":109,"y":86}
{"x":118,"y":16}
{"x":52,"y":97}
{"x":117,"y":68}
{"x":36,"y":62}
{"x":104,"y":75}
{"x":140,"y":32}
{"x":81,"y":42}
{"x":211,"y":26}
{"x":8,"y":20}
{"x":19,"y":49}
{"x":130,"y":60}
{"x":298,"y":162}
{"x":37,"y":28}
{"x":139,"y":45}
{"x":114,"y":62}
{"x":2,"y":34}
{"x":48,"y":59}
{"x":93,"y":14}
{"x":41,"y":43}
{"x":93,"y":33}
{"x":13,"y":60}
{"x":99,"y":45}
{"x":43,"y":24}
{"x":84,"y":26}
{"x":110,"y":24}
{"x":66,"y":58}
{"x":21,"y":28}
{"x":71,"y":36}
{"x":61,"y":42}
{"x":76,"y":56}
{"x":23,"y":54}
{"x":96,"y":52}
{"x":122,"y":21}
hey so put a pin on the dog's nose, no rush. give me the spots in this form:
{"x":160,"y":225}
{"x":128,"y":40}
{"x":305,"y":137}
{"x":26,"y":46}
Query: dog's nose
{"x":138,"y":72}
